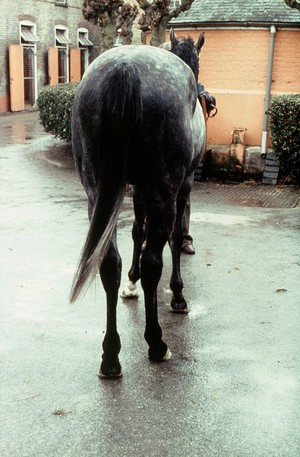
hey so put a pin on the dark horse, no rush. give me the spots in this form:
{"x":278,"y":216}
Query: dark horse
{"x":137,"y":120}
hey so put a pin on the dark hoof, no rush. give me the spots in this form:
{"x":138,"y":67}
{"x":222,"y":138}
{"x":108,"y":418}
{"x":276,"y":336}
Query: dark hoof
{"x":109,"y":376}
{"x":163,"y":356}
{"x":107,"y":372}
{"x":179,"y":307}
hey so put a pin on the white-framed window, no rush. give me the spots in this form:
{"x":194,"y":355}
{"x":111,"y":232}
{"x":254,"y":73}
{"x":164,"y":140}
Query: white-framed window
{"x":84,"y":44}
{"x":174,"y":4}
{"x":61,"y":2}
{"x":28,"y":39}
{"x":62,"y":42}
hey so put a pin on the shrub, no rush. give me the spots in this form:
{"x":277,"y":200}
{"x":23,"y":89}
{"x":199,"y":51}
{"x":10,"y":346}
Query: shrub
{"x":285,"y":133}
{"x":55,"y":109}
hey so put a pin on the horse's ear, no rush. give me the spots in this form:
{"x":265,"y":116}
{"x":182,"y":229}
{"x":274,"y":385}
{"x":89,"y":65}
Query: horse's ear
{"x":200,"y":42}
{"x":173,"y":38}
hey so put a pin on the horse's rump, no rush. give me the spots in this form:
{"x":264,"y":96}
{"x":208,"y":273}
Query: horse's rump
{"x":162,"y":122}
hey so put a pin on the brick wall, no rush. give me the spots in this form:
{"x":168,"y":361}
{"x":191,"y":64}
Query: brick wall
{"x":233,"y":66}
{"x":45,"y":14}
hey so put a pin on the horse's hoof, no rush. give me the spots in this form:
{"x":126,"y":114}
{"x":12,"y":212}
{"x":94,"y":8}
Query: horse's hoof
{"x":180,"y":310}
{"x":130,"y":290}
{"x":112,"y":374}
{"x":179,"y":306}
{"x":110,"y":369}
{"x":164,"y":358}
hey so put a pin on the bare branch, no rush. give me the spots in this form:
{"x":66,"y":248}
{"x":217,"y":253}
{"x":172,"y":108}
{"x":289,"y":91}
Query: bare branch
{"x":293,"y":4}
{"x":143,"y":4}
{"x":185,"y":5}
{"x":110,"y":15}
{"x":101,"y":12}
{"x":124,"y":21}
{"x":157,"y":15}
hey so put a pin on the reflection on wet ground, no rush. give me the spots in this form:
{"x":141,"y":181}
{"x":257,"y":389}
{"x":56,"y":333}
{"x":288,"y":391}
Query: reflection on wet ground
{"x":18,"y":128}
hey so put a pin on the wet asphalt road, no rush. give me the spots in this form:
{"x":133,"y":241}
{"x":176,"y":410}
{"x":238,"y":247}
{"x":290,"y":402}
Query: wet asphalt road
{"x":232,"y":386}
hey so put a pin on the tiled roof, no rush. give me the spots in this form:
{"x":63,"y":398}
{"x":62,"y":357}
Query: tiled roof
{"x":233,"y":11}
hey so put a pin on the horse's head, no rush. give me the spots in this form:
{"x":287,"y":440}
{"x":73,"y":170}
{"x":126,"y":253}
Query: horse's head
{"x":186,"y":49}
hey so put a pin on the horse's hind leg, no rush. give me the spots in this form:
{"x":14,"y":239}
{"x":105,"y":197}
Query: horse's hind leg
{"x":138,"y":235}
{"x":178,"y":303}
{"x":151,"y":269}
{"x":110,"y":273}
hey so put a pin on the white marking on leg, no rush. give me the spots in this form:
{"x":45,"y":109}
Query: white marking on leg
{"x":168,"y":355}
{"x":130,"y":290}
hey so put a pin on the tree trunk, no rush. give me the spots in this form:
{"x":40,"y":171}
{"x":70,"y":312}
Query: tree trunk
{"x":108,"y":37}
{"x":126,"y":39}
{"x":158,"y":32}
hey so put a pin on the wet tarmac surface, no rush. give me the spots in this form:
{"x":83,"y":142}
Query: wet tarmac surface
{"x":232,"y":386}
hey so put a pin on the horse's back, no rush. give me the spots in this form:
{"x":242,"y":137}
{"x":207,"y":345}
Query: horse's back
{"x":162,"y":74}
{"x":148,"y":58}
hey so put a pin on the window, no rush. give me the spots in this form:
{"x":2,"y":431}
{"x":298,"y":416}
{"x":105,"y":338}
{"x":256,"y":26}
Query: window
{"x":61,"y":2}
{"x":61,"y":37}
{"x":62,"y":43}
{"x":83,"y":38}
{"x":27,"y":34}
{"x":28,"y":40}
{"x":174,"y":4}
{"x":83,"y":44}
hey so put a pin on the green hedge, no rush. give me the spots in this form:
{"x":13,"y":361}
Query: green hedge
{"x":285,"y":133}
{"x":55,"y":108}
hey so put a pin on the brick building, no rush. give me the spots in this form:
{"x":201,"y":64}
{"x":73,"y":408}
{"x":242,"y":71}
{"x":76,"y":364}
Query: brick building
{"x":48,"y":41}
{"x":234,"y":60}
{"x":41,"y":42}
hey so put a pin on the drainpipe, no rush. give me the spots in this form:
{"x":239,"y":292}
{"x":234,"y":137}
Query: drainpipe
{"x":268,"y":92}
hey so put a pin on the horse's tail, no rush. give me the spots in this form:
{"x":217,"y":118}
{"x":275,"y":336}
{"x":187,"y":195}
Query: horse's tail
{"x":120,"y":109}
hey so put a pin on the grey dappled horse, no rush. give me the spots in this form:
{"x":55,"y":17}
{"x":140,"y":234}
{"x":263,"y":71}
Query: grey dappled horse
{"x":137,"y":120}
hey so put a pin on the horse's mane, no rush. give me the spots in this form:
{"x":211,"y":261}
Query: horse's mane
{"x":185,"y":49}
